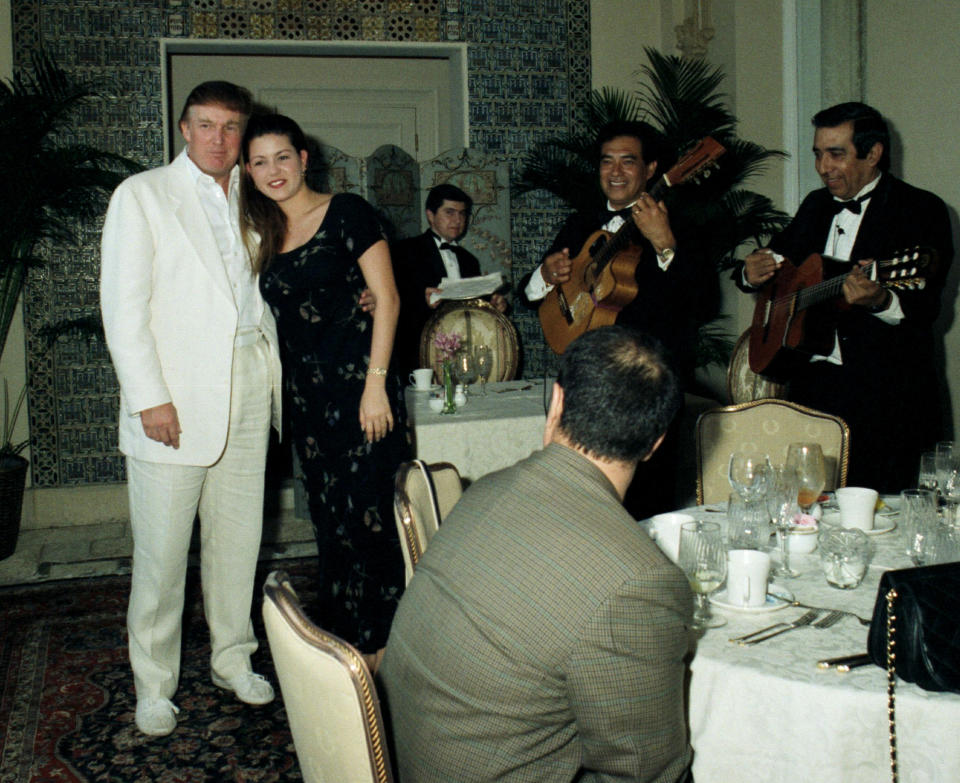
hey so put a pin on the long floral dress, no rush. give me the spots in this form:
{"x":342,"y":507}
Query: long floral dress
{"x":313,"y":292}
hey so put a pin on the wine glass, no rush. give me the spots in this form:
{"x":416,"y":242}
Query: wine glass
{"x":918,"y":516}
{"x":807,"y":460}
{"x":782,"y":505}
{"x":703,"y":559}
{"x":464,"y":368}
{"x":749,"y":473}
{"x":483,"y":356}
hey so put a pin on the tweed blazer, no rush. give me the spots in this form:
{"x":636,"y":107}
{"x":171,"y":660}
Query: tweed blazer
{"x":169,"y":315}
{"x":542,"y":638}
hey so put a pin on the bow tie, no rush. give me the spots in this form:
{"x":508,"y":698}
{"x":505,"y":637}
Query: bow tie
{"x":608,"y":214}
{"x":448,"y":246}
{"x":853,"y":205}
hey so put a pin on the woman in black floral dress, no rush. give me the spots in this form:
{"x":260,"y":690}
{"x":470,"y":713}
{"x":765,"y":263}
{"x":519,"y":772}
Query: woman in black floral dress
{"x":316,"y":254}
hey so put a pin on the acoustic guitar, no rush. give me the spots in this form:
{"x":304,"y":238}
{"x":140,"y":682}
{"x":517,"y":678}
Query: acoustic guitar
{"x":603,"y":275}
{"x":782,"y":334}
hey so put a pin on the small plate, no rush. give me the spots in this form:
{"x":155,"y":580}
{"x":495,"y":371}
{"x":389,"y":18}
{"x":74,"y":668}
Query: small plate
{"x":433,"y":387}
{"x":883,"y":523}
{"x":778,"y":597}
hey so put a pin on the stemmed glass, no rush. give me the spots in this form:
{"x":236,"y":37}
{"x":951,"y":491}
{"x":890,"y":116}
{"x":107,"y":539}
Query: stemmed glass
{"x":944,"y":462}
{"x":483,"y":357}
{"x":749,"y":474}
{"x":464,"y":368}
{"x":703,"y":559}
{"x":782,"y":505}
{"x":807,"y":460}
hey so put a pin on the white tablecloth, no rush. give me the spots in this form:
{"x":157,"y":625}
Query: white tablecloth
{"x":488,"y":433}
{"x":767,"y":714}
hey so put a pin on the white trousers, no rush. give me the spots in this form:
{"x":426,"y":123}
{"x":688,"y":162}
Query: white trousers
{"x":164,"y":501}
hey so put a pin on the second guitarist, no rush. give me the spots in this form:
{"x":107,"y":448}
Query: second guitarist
{"x":675,"y":284}
{"x":876,"y":364}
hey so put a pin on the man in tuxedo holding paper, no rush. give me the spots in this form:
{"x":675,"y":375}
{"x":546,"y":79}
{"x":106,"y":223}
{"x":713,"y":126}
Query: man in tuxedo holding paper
{"x":876,"y":368}
{"x":421,"y":262}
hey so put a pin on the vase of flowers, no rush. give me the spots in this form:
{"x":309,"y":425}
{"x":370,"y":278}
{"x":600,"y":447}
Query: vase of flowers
{"x":447,"y":346}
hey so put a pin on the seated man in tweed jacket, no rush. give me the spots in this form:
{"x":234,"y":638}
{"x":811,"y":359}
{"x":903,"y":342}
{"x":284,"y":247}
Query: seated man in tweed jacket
{"x":543,"y":636}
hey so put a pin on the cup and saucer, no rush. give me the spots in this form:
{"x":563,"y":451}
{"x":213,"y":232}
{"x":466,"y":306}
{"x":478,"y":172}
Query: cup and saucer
{"x":748,"y":588}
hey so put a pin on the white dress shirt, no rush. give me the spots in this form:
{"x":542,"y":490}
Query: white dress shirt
{"x":223,"y":214}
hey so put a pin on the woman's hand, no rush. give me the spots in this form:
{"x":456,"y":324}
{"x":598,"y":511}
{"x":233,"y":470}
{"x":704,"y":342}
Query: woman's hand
{"x":376,"y":418}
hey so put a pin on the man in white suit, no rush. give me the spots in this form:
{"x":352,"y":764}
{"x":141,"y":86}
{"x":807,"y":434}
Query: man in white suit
{"x":195,"y":352}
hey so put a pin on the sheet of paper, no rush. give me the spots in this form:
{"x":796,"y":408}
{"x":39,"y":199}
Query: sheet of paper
{"x":468,"y":287}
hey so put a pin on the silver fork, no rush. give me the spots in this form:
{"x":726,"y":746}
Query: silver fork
{"x":805,"y":619}
{"x":829,"y":620}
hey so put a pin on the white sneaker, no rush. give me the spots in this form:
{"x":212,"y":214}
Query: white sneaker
{"x":249,"y":687}
{"x":156,"y":717}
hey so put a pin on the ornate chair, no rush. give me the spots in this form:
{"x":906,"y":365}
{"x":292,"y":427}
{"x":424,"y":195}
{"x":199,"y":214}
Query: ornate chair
{"x":328,"y":693}
{"x":424,"y":496}
{"x":478,"y":323}
{"x":743,"y":384}
{"x":768,"y":426}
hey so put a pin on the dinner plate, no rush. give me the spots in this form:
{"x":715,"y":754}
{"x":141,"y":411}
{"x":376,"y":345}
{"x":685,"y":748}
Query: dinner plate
{"x":778,"y":597}
{"x":882,"y":523}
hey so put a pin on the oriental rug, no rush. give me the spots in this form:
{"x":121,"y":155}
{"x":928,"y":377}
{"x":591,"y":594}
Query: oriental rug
{"x":67,"y":701}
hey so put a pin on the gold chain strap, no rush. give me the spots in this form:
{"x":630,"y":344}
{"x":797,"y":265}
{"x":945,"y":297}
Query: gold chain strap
{"x":892,"y":681}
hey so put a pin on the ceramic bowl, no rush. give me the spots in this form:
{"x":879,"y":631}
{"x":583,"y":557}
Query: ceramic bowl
{"x":803,"y":540}
{"x":436,"y":404}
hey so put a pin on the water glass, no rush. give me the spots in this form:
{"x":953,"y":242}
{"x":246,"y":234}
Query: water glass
{"x":844,"y":557}
{"x":921,"y":523}
{"x":944,"y":461}
{"x":748,"y":523}
{"x":927,"y":475}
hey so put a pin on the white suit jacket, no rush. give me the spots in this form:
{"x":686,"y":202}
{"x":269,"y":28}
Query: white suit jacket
{"x":170,"y":317}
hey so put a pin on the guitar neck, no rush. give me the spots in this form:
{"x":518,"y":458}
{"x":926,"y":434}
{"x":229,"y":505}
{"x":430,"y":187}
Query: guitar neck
{"x":832,"y":287}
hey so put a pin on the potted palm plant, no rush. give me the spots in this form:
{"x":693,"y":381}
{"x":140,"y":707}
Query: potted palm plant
{"x":679,"y":96}
{"x":51,"y":184}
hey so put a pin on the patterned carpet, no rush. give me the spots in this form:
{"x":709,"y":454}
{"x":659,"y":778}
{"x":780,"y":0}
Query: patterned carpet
{"x":67,"y":701}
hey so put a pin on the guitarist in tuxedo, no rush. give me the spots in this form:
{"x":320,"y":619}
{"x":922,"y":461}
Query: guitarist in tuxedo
{"x":677,"y":285}
{"x":876,"y":366}
{"x":420,"y":263}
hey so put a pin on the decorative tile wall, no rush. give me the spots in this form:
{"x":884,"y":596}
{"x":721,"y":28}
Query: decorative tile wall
{"x":529,"y":65}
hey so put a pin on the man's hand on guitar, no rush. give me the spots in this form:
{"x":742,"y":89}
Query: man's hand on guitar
{"x":654,"y":223}
{"x":556,"y":268}
{"x":858,"y":289}
{"x":760,"y":266}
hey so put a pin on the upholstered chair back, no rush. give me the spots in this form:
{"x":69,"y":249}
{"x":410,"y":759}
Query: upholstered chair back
{"x":328,"y":694}
{"x":767,"y":426}
{"x":424,"y":495}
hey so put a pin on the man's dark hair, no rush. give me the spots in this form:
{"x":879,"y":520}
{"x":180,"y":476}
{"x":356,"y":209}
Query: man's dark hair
{"x":652,"y":144}
{"x":869,"y":127}
{"x":619,"y":394}
{"x":225,"y":94}
{"x":447,"y":192}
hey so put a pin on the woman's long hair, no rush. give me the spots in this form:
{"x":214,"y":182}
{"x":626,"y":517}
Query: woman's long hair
{"x":263,"y":223}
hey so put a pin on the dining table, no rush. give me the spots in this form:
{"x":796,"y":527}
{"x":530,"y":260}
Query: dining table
{"x":767,"y":713}
{"x":489,"y":432}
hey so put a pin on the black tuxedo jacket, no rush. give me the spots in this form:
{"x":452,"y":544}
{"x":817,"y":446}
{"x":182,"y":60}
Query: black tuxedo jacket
{"x":417,"y":265}
{"x":887,"y":386}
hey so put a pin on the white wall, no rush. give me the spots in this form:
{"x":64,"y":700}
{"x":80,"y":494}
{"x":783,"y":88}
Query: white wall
{"x":913,"y":78}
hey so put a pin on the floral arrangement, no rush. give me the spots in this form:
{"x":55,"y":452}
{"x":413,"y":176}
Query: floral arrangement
{"x":447,"y":344}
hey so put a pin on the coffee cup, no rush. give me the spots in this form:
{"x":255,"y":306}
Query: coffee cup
{"x":665,"y":529}
{"x":857,"y":506}
{"x":422,"y":379}
{"x":747,"y":573}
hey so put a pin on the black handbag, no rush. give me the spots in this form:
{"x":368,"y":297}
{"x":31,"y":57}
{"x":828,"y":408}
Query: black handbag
{"x":915,"y":634}
{"x":926,"y":620}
